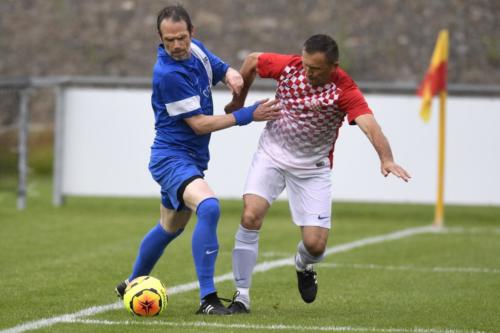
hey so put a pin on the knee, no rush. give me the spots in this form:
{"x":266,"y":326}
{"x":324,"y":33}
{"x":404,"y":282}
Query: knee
{"x":315,"y":247}
{"x":209,"y":208}
{"x":172,"y":221}
{"x":250,"y":220}
{"x":171,"y":227}
{"x":167,"y":225}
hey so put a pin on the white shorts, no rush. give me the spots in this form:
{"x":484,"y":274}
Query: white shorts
{"x":309,"y":191}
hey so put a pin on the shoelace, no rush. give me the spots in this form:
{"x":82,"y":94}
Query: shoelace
{"x":227,"y":299}
{"x":230,"y":300}
{"x":236,"y":294}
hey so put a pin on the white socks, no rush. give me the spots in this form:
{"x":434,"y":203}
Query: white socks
{"x":304,"y":258}
{"x":246,"y":248}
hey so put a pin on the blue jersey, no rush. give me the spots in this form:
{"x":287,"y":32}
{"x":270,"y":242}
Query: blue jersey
{"x":182,"y":89}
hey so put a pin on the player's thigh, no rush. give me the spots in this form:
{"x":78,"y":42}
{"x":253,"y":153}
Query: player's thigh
{"x":310,"y":197}
{"x":195,"y":192}
{"x":172,"y":220}
{"x":264,"y":179}
{"x":255,"y":208}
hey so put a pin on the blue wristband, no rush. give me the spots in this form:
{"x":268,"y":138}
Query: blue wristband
{"x":244,"y":116}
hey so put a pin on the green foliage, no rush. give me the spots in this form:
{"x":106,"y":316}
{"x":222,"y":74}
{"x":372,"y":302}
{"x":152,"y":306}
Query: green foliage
{"x":62,"y":260}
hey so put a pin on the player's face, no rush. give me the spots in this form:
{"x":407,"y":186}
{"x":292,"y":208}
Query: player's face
{"x":317,"y":68}
{"x":176,"y":39}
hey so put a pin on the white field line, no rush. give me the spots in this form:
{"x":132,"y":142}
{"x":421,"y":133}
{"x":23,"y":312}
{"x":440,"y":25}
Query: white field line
{"x":262,"y":267}
{"x":441,"y":230}
{"x":414,"y":268}
{"x":274,"y":254}
{"x":273,"y":327}
{"x":476,"y":230}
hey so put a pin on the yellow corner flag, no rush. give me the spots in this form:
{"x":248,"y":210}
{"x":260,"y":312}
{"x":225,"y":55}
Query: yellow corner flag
{"x":434,"y":83}
{"x":435,"y":79}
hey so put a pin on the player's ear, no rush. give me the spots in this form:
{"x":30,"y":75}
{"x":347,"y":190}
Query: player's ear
{"x":192,"y":31}
{"x":334,"y":66}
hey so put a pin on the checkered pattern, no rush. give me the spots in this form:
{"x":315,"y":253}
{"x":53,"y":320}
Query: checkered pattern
{"x":310,"y":118}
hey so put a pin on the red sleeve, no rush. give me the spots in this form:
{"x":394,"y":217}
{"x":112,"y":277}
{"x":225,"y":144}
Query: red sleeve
{"x":352,"y":100}
{"x":270,"y":65}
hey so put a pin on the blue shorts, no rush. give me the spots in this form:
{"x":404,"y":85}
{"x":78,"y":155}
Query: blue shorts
{"x":173,"y":173}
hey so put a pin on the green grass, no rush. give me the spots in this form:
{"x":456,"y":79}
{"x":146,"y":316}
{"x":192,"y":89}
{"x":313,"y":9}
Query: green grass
{"x":56,"y":261}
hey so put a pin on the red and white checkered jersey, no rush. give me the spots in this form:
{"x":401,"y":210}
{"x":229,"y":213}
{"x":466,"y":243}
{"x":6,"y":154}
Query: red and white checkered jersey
{"x":304,"y":136}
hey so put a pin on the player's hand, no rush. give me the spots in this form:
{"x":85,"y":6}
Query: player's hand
{"x":234,"y":81}
{"x":396,"y":170}
{"x":267,"y":110}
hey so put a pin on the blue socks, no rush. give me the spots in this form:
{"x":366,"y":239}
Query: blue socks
{"x":205,"y":245}
{"x":151,"y":249}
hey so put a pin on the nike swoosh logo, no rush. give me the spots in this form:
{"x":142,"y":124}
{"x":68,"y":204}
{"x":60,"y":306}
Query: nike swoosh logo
{"x":210,"y":252}
{"x":322,"y":217}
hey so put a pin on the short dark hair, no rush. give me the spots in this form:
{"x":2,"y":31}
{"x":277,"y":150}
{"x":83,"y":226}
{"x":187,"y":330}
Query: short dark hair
{"x":175,"y":13}
{"x":324,"y":44}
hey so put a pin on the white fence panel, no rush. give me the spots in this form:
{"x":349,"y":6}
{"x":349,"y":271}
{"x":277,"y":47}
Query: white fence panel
{"x":108,"y":132}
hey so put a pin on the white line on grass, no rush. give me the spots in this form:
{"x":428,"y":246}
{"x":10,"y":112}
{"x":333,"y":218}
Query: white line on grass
{"x":477,"y":230}
{"x":262,"y":267}
{"x":440,"y":230}
{"x":273,"y":327}
{"x":274,"y":254}
{"x":414,"y":268}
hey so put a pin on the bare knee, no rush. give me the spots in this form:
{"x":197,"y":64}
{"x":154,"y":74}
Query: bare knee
{"x":254,"y":209}
{"x":315,"y":249}
{"x":315,"y":239}
{"x":169,"y":226}
{"x":251,"y":220}
{"x":172,"y":221}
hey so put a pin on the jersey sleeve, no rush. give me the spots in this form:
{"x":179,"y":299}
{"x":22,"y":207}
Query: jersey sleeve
{"x":270,"y":65}
{"x":219,"y":67}
{"x":353,"y":103}
{"x":179,"y":97}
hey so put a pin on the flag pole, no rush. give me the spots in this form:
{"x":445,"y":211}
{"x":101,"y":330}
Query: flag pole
{"x":439,"y":211}
{"x":435,"y":81}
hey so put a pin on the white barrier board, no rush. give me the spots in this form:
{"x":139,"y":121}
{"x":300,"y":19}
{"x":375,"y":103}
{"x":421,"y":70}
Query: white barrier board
{"x":108,"y":134}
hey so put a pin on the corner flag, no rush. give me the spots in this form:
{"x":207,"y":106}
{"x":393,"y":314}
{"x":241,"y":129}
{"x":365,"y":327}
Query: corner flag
{"x":435,"y":79}
{"x":434,"y":83}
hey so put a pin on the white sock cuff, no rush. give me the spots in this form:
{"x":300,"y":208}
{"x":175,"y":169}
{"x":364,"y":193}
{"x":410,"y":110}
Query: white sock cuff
{"x":247,"y":236}
{"x":244,"y":296}
{"x":304,"y":258}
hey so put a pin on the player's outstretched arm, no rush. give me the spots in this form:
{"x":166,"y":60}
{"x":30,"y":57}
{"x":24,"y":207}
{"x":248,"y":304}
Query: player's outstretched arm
{"x":371,"y":128}
{"x":248,"y":72}
{"x":261,"y":111}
